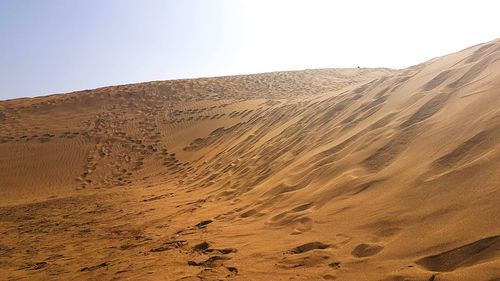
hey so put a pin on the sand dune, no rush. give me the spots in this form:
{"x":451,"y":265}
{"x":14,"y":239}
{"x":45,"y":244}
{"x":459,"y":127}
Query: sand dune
{"x":330,"y":174}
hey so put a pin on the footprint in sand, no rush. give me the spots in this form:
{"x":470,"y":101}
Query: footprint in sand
{"x":366,"y":250}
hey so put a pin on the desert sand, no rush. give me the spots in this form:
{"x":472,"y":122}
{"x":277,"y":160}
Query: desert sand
{"x":328,"y":174}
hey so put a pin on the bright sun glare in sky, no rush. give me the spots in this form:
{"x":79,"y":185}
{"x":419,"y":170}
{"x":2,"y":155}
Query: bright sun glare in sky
{"x":58,"y":46}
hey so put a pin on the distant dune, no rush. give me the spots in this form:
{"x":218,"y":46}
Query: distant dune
{"x":329,"y":174}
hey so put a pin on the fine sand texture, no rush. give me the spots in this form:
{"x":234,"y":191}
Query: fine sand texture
{"x":328,"y":174}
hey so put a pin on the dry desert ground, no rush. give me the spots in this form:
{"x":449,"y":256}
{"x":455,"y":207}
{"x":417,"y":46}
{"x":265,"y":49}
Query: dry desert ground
{"x":329,"y":174}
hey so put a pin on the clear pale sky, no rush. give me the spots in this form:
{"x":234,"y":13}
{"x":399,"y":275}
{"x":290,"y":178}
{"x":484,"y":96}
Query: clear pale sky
{"x":55,"y":46}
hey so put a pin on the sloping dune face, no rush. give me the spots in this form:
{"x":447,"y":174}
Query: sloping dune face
{"x":334,"y":174}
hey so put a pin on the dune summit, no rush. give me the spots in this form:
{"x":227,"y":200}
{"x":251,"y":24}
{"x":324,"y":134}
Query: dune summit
{"x":330,"y":174}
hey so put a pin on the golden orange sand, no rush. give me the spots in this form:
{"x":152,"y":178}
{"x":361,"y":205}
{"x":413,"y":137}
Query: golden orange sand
{"x":330,"y":174}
